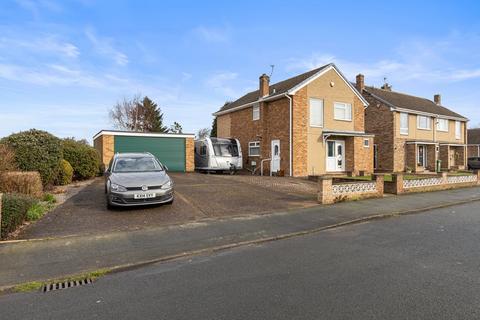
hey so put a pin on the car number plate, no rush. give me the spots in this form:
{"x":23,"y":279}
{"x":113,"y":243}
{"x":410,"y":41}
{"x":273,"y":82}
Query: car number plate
{"x":144,"y":195}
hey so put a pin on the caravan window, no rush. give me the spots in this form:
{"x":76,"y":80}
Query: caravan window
{"x":225,"y":150}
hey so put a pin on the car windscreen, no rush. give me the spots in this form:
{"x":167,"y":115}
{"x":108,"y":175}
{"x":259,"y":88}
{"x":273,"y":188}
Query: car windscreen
{"x":137,"y":164}
{"x":225,"y":149}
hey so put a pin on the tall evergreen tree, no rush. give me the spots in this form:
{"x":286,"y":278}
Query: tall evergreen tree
{"x":152,"y":117}
{"x":213,"y":132}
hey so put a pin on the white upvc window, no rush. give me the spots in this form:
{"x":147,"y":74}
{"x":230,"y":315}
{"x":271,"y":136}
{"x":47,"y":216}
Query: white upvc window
{"x":316,"y":112}
{"x":254,"y":148}
{"x":342,"y":111}
{"x":458,"y":130}
{"x":366,"y":143}
{"x":442,"y":125}
{"x":404,"y":123}
{"x":424,"y":122}
{"x":256,"y":112}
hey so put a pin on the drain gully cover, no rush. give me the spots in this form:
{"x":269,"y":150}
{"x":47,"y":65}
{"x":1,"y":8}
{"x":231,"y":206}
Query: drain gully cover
{"x":66,"y":284}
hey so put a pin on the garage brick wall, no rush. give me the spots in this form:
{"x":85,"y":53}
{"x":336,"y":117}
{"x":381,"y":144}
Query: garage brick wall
{"x":189,"y":155}
{"x":105,"y":146}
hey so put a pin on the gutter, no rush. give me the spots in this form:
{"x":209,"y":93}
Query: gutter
{"x":290,"y":134}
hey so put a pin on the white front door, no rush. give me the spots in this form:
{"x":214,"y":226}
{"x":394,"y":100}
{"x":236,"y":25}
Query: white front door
{"x":335,"y":155}
{"x":275,"y":165}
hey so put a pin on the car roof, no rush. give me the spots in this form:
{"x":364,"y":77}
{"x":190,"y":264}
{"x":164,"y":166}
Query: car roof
{"x":133,"y":154}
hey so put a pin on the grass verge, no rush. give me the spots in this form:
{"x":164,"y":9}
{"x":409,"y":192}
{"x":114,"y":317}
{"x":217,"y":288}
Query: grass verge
{"x":37,"y":285}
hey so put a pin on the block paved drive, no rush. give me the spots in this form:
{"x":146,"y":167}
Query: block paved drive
{"x":198,"y":196}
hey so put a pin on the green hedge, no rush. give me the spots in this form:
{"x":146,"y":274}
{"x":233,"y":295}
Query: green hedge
{"x":36,"y":150}
{"x":84,"y":159}
{"x":14,"y":211}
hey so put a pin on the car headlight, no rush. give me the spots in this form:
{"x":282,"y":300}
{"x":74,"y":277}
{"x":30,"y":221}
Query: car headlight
{"x":167,"y":185}
{"x":117,"y":188}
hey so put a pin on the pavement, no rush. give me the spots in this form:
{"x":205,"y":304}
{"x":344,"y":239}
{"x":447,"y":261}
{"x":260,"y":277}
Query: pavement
{"x":41,"y":260}
{"x":197,"y":195}
{"x":422,"y":266}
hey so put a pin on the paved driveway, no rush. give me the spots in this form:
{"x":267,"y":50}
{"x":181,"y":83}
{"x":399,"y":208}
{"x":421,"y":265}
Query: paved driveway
{"x":198,"y":196}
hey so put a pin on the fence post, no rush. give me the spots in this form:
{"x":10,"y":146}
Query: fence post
{"x":379,"y":181}
{"x":477,"y":173}
{"x":325,"y":192}
{"x":444,"y":175}
{"x":397,"y":179}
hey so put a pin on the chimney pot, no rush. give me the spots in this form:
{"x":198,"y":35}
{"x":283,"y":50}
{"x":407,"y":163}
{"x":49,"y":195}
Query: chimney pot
{"x":360,"y":84}
{"x":437,"y":99}
{"x":264,"y":85}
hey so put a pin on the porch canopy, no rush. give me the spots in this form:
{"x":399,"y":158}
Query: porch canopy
{"x":328,"y":133}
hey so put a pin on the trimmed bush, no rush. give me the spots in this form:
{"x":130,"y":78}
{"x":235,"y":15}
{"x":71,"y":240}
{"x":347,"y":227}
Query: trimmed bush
{"x":84,"y":159}
{"x":14,"y":211}
{"x":7,"y":157}
{"x":28,"y":183}
{"x":65,"y":173}
{"x":36,"y":150}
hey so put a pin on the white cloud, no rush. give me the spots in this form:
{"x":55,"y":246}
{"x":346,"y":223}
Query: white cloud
{"x":47,"y":44}
{"x":220,"y":82}
{"x":212,"y":34}
{"x":105,"y":47}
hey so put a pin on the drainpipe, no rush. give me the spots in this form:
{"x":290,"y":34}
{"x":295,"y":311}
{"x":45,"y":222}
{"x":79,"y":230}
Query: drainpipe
{"x":290,"y":134}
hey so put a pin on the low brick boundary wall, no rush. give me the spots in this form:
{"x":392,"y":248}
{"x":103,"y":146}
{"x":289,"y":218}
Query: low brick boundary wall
{"x":437,"y":182}
{"x":330,"y":191}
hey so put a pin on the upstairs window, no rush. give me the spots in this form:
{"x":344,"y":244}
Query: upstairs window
{"x":442,"y":125}
{"x":423,"y":123}
{"x":458,"y":130}
{"x":404,"y":123}
{"x":316,"y":112}
{"x":342,"y":111}
{"x":255,"y":112}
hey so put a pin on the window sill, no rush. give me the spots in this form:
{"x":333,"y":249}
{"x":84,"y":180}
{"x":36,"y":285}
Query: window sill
{"x":346,"y":120}
{"x":424,"y":129}
{"x":314,"y":126}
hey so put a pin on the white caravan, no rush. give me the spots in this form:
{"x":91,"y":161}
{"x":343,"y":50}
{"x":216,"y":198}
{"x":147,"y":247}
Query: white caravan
{"x":218,"y":154}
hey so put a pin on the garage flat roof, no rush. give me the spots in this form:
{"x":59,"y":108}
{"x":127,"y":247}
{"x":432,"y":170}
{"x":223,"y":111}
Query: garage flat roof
{"x":143,"y":134}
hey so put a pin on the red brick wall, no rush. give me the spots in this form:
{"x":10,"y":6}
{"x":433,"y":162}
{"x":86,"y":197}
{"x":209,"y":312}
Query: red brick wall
{"x":380,"y":122}
{"x":300,"y":133}
{"x":273,"y":124}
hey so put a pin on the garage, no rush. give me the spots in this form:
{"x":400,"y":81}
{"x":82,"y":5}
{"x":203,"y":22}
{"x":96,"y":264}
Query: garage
{"x":173,"y":150}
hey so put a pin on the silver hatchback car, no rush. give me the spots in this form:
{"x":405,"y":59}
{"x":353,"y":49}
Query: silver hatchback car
{"x":133,"y":179}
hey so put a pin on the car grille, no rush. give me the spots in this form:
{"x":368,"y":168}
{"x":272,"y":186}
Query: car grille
{"x":140,"y":188}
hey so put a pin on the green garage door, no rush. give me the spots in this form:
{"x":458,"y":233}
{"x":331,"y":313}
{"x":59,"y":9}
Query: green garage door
{"x":170,"y":151}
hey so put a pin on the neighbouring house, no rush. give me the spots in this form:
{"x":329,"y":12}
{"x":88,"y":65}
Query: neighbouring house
{"x":412,"y":133}
{"x":172,"y":149}
{"x":311,"y":124}
{"x":474,"y":142}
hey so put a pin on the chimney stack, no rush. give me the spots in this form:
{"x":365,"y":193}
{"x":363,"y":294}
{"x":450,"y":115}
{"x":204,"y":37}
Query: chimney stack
{"x":360,"y":84}
{"x":264,"y":85}
{"x":437,"y":99}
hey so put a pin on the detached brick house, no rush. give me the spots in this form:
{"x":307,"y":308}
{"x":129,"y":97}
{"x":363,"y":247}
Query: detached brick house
{"x":311,"y":124}
{"x":412,"y":133}
{"x":474,"y":142}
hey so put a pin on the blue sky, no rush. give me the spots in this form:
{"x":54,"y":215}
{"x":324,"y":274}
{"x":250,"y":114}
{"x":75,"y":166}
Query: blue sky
{"x":63,"y":64}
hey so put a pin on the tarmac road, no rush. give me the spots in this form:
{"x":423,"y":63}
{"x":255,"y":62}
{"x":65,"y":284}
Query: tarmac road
{"x":423,"y":266}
